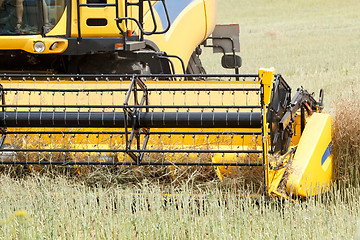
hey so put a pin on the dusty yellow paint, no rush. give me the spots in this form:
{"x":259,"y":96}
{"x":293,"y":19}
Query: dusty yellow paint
{"x":267,"y":77}
{"x":308,"y":176}
{"x":26,"y":43}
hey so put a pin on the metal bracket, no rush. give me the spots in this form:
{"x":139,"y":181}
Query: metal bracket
{"x":280,"y":100}
{"x":225,"y":40}
{"x":2,"y":129}
{"x":167,"y":57}
{"x":131,"y":115}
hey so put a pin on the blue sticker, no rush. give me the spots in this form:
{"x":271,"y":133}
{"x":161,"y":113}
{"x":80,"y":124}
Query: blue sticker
{"x":327,"y":153}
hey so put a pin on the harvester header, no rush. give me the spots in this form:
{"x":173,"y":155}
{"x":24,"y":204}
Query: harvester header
{"x":221,"y":121}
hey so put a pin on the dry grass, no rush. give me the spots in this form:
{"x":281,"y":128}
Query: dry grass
{"x":347,"y":141}
{"x":63,"y":209}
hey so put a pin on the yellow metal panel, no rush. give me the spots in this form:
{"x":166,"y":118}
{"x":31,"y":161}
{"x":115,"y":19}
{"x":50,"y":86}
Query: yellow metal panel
{"x":312,"y":168}
{"x":110,"y":30}
{"x":210,"y":15}
{"x":185,"y":34}
{"x":19,"y":42}
{"x":26,"y":43}
{"x":297,"y":130}
{"x":267,"y":77}
{"x":235,"y":172}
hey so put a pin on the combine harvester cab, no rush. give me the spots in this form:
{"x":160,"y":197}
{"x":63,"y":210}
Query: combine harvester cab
{"x":105,"y":83}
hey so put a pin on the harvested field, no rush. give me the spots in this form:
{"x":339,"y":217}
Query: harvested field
{"x":62,"y":209}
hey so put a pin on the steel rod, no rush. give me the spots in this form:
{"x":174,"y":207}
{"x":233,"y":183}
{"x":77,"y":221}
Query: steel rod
{"x":93,"y":76}
{"x":232,"y":89}
{"x":121,"y":132}
{"x":132,"y":106}
{"x":126,"y":151}
{"x":131,"y":163}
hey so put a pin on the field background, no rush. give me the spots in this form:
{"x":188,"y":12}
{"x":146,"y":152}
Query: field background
{"x":314,"y":43}
{"x":311,"y":43}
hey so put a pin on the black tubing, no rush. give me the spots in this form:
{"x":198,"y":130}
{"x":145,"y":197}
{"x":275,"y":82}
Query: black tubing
{"x":142,"y":119}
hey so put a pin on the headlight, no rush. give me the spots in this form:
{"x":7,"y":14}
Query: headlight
{"x":39,"y":47}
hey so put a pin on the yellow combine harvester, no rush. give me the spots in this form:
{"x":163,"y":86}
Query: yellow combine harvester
{"x":120,"y":82}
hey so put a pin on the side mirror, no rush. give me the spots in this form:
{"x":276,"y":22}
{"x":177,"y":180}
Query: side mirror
{"x":231,"y":61}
